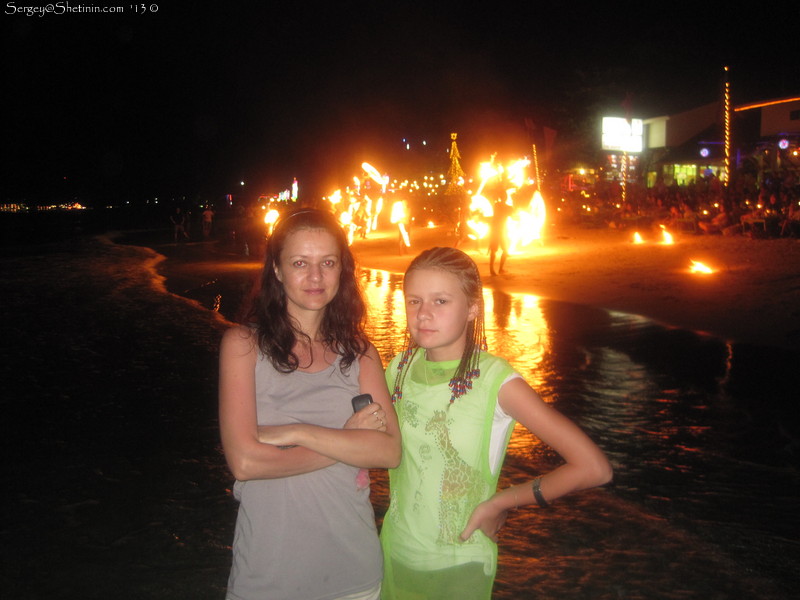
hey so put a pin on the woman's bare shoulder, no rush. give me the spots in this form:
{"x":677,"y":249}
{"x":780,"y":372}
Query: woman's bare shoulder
{"x":370,"y":353}
{"x":239,"y":338}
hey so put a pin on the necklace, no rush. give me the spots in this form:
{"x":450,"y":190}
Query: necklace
{"x":436,"y":373}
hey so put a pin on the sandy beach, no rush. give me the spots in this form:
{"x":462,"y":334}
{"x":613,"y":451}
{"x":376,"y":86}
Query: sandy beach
{"x":752,"y":297}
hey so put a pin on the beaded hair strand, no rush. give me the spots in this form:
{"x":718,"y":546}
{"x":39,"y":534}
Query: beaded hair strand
{"x":462,"y":266}
{"x":405,"y":358}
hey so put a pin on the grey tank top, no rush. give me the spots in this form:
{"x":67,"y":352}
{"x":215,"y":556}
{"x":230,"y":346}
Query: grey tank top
{"x":310,"y":536}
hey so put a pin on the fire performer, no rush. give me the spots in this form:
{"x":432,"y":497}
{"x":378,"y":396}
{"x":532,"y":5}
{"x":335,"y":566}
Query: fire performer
{"x":456,"y":405}
{"x":400,"y":218}
{"x":498,"y":234}
{"x":306,"y":527}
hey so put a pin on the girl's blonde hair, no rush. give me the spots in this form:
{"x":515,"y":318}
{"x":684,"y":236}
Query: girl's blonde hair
{"x":456,"y":262}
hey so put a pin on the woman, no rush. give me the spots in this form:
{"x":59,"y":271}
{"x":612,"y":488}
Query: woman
{"x":305,"y":527}
{"x":456,"y":405}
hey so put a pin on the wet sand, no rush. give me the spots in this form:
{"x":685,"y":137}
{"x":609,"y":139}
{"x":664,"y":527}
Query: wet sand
{"x":116,"y":482}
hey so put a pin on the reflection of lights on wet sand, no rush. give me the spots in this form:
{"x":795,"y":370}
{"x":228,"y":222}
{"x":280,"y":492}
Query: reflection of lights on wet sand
{"x":518,"y":328}
{"x":698,"y":267}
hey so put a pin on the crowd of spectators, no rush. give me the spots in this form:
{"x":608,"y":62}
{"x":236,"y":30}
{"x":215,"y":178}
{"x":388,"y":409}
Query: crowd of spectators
{"x":770,"y":209}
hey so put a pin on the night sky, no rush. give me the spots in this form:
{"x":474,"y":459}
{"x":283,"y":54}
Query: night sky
{"x":190,"y":101}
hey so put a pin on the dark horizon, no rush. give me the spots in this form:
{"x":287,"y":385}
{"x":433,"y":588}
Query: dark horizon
{"x":185,"y":102}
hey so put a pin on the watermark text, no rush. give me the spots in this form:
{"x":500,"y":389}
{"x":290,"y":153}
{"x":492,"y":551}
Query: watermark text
{"x":67,"y":8}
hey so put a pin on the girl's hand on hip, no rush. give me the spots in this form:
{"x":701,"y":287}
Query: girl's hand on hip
{"x":488,"y":519}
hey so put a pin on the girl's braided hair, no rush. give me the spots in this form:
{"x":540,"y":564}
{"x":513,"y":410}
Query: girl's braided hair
{"x":451,"y":260}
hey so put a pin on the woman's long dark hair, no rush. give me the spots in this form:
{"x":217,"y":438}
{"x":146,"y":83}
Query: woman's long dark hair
{"x":342,"y":328}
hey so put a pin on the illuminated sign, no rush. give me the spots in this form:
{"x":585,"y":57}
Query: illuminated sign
{"x":621,"y":135}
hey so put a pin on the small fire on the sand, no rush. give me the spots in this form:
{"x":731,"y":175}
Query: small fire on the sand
{"x":698,"y":267}
{"x":666,"y":237}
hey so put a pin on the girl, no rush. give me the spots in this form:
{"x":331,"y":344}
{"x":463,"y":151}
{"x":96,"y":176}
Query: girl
{"x":456,"y":405}
{"x":305,"y":528}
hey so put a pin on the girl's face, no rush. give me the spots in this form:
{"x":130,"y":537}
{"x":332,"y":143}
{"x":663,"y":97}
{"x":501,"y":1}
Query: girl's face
{"x":438,"y":312}
{"x":309,"y":269}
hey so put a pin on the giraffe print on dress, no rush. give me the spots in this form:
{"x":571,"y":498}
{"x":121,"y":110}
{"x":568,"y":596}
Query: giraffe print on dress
{"x":461,"y":488}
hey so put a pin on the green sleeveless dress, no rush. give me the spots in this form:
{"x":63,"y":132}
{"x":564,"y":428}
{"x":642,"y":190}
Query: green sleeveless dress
{"x":444,"y":474}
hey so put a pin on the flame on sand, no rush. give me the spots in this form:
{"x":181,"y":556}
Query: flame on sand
{"x":637,"y":238}
{"x":698,"y":267}
{"x":668,"y":239}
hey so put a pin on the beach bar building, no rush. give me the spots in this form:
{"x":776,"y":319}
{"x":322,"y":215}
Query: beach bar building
{"x":689,"y":147}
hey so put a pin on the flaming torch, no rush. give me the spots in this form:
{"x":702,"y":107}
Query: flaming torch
{"x":269,"y":219}
{"x":698,"y":267}
{"x":383,"y":181}
{"x":668,"y":239}
{"x":527,"y":225}
{"x":398,"y":217}
{"x":481,"y":206}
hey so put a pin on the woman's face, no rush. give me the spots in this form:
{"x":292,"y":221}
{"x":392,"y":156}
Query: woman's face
{"x":309,"y":269}
{"x":438,"y":312}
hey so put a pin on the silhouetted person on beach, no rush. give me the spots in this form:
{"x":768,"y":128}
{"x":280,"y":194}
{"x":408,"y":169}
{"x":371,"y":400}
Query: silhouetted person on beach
{"x":498,"y":235}
{"x":179,"y":225}
{"x":208,"y":218}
